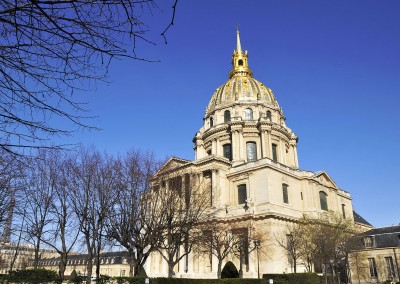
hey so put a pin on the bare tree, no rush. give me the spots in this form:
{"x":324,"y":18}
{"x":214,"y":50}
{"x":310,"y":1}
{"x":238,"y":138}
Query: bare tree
{"x":218,"y":240}
{"x":51,"y":49}
{"x":291,"y":241}
{"x":38,"y":200}
{"x":11,"y":174}
{"x":136,"y":217}
{"x":185,"y":205}
{"x":91,"y":186}
{"x":64,"y":230}
{"x":250,"y":240}
{"x":329,"y":235}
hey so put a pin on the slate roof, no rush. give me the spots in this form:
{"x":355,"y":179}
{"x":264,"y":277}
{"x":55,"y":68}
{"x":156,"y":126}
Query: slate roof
{"x":384,"y":237}
{"x":357,"y":218}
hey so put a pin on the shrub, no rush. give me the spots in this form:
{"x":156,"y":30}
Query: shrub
{"x":75,"y":278}
{"x":33,"y":276}
{"x":229,"y":271}
{"x":130,"y":280}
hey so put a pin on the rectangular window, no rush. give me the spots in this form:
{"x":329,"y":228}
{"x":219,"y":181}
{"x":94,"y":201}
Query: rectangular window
{"x":373,"y":272}
{"x":344,"y":211}
{"x":390,"y":267}
{"x":242,"y":194}
{"x":227,"y":149}
{"x":274,"y":152}
{"x":285,"y":193}
{"x":251,"y":149}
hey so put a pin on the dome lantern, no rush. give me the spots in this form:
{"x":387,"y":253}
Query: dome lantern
{"x":239,"y":60}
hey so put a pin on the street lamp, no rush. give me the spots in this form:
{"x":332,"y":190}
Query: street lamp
{"x":257,"y":246}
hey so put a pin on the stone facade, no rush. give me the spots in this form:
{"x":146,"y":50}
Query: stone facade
{"x":113,"y":264}
{"x":22,"y":253}
{"x":378,"y":258}
{"x":248,"y":156}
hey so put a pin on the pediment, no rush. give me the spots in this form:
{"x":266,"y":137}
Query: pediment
{"x":172,"y":163}
{"x":325,"y":179}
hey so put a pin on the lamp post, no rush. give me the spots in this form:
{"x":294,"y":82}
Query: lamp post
{"x":257,"y":246}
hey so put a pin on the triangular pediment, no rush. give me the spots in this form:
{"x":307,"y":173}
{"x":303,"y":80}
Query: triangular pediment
{"x":172,"y":163}
{"x":325,"y":179}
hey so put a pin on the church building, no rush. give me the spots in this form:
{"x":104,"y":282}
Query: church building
{"x":248,"y":156}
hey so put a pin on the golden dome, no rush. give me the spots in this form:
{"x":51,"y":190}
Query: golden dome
{"x":241,"y":86}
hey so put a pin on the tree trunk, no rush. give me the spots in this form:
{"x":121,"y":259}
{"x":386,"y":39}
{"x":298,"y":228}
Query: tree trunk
{"x":171,"y":268}
{"x":98,"y":266}
{"x":132,"y":272}
{"x":89,"y":267}
{"x":219,"y":269}
{"x":294,"y":265}
{"x":36,"y":261}
{"x":62,"y":266}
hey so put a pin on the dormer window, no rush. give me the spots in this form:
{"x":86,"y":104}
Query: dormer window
{"x":368,"y":242}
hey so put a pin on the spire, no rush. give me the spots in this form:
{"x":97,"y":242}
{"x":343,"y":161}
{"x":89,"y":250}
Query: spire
{"x":238,"y":46}
{"x":239,"y":60}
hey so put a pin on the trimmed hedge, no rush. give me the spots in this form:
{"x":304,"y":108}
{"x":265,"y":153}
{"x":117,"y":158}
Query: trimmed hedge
{"x":295,"y":278}
{"x":32,"y":276}
{"x":140,"y":280}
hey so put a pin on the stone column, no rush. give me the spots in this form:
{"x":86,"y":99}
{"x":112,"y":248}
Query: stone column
{"x":263,"y":144}
{"x":234,"y":145}
{"x":214,"y":147}
{"x":214,"y":190}
{"x":242,"y":147}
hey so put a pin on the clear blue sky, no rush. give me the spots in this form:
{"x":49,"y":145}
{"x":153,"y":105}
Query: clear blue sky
{"x":334,"y":67}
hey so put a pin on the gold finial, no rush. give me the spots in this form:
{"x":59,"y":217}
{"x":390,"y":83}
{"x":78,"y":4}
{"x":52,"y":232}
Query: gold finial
{"x":239,"y":59}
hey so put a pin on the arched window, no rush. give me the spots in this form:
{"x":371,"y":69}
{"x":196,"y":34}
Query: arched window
{"x":323,"y":199}
{"x":269,"y":116}
{"x":240,"y":62}
{"x":248,"y":114}
{"x":285,"y":193}
{"x":227,"y":116}
{"x":227,"y":149}
{"x":211,"y":122}
{"x":274,"y":152}
{"x":242,"y":194}
{"x":251,"y":150}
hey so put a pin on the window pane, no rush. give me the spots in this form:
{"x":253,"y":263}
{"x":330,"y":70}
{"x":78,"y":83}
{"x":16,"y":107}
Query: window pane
{"x":227,"y":116}
{"x":274,"y":152}
{"x":323,"y":200}
{"x":242,"y":194}
{"x":372,"y":267}
{"x":249,"y":114}
{"x":285,"y":193}
{"x":227,"y":151}
{"x":251,"y":149}
{"x":390,"y":267}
